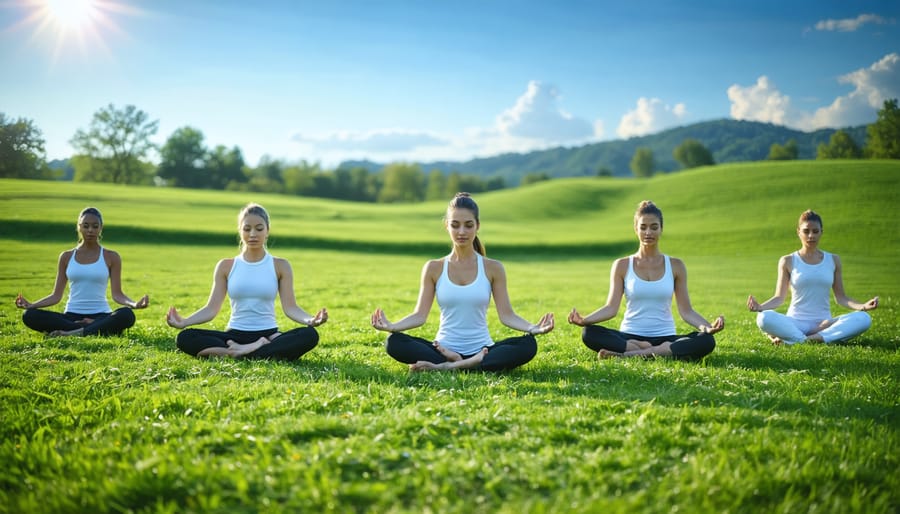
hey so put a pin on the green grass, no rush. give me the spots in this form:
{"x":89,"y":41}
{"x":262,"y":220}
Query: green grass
{"x":129,"y":424}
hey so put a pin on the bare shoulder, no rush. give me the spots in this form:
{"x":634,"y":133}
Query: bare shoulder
{"x":223,"y":267}
{"x":786,"y":261}
{"x":433,"y":268}
{"x":281,"y":263}
{"x":492,"y":265}
{"x":111,"y":256}
{"x":678,"y":266}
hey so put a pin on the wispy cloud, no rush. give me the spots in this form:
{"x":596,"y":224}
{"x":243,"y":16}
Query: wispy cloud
{"x":851,"y":24}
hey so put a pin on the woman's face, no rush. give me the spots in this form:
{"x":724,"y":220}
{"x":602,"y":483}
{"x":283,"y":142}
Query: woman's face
{"x":648,"y":228}
{"x":462,"y":226}
{"x":89,"y":228}
{"x":809,"y":233}
{"x":254,"y":231}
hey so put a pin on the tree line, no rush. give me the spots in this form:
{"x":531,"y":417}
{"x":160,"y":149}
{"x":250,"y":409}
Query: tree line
{"x":116,"y":147}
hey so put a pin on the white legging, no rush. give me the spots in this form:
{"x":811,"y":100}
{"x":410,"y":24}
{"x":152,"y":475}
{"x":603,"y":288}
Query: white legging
{"x":792,"y":330}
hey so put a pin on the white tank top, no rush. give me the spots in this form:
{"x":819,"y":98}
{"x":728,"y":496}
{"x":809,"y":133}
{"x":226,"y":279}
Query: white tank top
{"x":463,"y":327}
{"x":648,"y":304}
{"x":87,"y":289}
{"x":252,"y":288}
{"x":811,"y":288}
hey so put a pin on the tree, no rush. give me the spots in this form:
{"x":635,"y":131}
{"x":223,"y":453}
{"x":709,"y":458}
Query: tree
{"x":116,"y":142}
{"x":437,"y":182}
{"x":692,"y":154}
{"x":402,"y":183}
{"x":224,"y":167}
{"x":534,"y":177}
{"x":643,"y":164}
{"x":21,"y":149}
{"x":840,"y":146}
{"x":182,"y":159}
{"x":883,"y":136}
{"x":788,"y":152}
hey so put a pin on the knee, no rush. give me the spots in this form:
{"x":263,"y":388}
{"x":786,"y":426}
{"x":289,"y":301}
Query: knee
{"x":184,"y":339}
{"x":863,"y":319}
{"x":126,"y":317}
{"x":763,"y":318}
{"x":29,"y":316}
{"x":391,"y":343}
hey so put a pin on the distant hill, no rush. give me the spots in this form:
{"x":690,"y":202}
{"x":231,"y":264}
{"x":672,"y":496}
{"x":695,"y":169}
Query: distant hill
{"x":728,"y":140}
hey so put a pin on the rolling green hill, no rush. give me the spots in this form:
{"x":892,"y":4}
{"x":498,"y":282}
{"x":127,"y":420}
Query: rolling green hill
{"x":729,"y":141}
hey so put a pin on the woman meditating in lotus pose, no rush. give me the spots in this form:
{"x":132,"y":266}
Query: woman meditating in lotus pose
{"x":252,"y":280}
{"x":648,"y":280}
{"x":811,"y":274}
{"x":89,"y":267}
{"x":463,"y":283}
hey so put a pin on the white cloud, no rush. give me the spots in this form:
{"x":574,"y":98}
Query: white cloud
{"x":759,"y":102}
{"x":537,"y":115}
{"x":851,"y":24}
{"x":649,"y":116}
{"x":872,"y":86}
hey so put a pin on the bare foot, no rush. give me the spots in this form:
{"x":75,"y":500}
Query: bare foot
{"x":775,"y":340}
{"x":66,"y":333}
{"x":607,"y":354}
{"x":450,"y":355}
{"x":427,"y":366}
{"x":638,"y":344}
{"x":239,"y":350}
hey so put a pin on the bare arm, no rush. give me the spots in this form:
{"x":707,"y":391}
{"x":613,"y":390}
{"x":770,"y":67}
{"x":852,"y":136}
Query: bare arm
{"x":613,"y":299}
{"x":841,"y":297}
{"x":781,"y":288}
{"x":497,"y":275}
{"x":114,"y":263}
{"x":288,"y":299}
{"x":58,"y":287}
{"x":683,"y":300}
{"x":213,"y":303}
{"x":430,"y":273}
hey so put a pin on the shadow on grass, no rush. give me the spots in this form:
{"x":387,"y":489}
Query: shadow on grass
{"x":40,"y":231}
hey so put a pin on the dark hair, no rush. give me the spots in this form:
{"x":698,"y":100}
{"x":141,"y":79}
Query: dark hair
{"x":252,"y":208}
{"x":465,"y":201}
{"x":88,"y":211}
{"x":810,"y":215}
{"x":648,"y":207}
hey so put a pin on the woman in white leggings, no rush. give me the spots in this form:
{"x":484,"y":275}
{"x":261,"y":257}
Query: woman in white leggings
{"x":811,"y":274}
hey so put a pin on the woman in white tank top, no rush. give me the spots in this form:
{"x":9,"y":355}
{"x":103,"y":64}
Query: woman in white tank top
{"x":88,"y":268}
{"x":252,"y":281}
{"x":648,"y":280}
{"x":463,"y":284}
{"x":811,"y":274}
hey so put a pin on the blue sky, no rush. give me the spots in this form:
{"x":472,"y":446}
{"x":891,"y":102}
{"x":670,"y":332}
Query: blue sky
{"x":325,"y":81}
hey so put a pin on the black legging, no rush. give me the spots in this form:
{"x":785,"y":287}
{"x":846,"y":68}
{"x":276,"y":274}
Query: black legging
{"x":503,"y":355}
{"x":288,"y":346}
{"x":104,"y":324}
{"x":693,"y":346}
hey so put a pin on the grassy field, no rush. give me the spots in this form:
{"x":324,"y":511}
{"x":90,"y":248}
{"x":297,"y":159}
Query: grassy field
{"x":129,"y":424}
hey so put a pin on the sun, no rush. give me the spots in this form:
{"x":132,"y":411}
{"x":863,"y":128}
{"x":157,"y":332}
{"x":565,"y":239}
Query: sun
{"x":72,"y":15}
{"x":64,"y":26}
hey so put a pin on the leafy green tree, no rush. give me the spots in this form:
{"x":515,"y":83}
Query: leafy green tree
{"x":437,"y":183}
{"x":788,"y":152}
{"x":643,"y":164}
{"x":402,"y":183}
{"x":117,"y":142}
{"x":840,"y":146}
{"x":21,"y":149}
{"x":183,"y":159}
{"x":604,"y":171}
{"x":883,"y":136}
{"x":692,"y":154}
{"x":534,"y":177}
{"x":224,"y":167}
{"x":300,"y":179}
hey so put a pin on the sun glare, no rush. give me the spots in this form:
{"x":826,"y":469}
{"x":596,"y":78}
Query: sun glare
{"x":62,"y":26}
{"x":71,"y":14}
